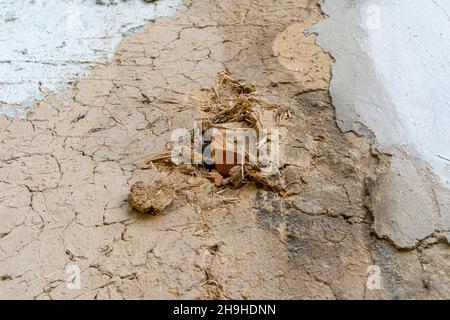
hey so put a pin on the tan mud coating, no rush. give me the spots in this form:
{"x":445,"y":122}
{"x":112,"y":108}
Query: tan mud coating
{"x":65,"y":173}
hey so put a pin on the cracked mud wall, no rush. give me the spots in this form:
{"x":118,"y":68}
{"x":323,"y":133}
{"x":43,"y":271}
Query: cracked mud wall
{"x":66,"y":170}
{"x":48,"y":43}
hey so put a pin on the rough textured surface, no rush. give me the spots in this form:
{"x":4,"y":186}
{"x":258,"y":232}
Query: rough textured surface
{"x":404,"y":206}
{"x":386,"y":80}
{"x":65,"y":173}
{"x":47,"y":43}
{"x":147,"y":199}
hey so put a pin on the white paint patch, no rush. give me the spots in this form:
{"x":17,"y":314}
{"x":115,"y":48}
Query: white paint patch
{"x":392,"y":73}
{"x":45,"y":43}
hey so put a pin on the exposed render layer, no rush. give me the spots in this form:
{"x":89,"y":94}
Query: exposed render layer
{"x":45,"y":43}
{"x":392,"y":76}
{"x":66,"y":170}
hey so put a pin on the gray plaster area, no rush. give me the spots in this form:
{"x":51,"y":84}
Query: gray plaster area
{"x":68,"y":229}
{"x":50,"y":42}
{"x":391,"y":77}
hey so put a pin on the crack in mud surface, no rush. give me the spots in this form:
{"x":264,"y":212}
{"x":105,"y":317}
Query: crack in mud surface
{"x":66,"y":170}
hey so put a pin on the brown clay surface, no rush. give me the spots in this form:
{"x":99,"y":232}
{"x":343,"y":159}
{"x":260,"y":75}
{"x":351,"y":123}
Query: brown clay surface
{"x":66,"y":171}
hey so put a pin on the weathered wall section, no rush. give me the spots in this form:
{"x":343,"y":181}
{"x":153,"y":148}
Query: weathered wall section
{"x":391,"y":77}
{"x":47,"y":43}
{"x":66,"y":170}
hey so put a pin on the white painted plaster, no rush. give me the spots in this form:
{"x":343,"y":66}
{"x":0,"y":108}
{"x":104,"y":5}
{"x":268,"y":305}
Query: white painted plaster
{"x":45,"y":43}
{"x":392,"y":73}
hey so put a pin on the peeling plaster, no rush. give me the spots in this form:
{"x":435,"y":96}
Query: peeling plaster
{"x":391,"y":77}
{"x":45,"y":43}
{"x":73,"y":162}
